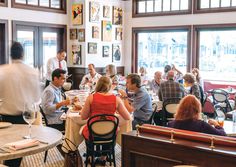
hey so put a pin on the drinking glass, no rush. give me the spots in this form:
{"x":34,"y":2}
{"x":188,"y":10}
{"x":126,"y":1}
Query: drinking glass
{"x":29,"y":115}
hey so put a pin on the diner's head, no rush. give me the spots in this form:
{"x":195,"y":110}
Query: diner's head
{"x":110,"y":70}
{"x":189,"y":79}
{"x":58,"y":77}
{"x":157,"y":77}
{"x":170,"y":74}
{"x":142,"y":71}
{"x":103,"y":85}
{"x":91,"y":69}
{"x":61,"y":54}
{"x":189,"y":109}
{"x":17,"y":51}
{"x":196,"y":73}
{"x":167,"y":68}
{"x":133,"y":82}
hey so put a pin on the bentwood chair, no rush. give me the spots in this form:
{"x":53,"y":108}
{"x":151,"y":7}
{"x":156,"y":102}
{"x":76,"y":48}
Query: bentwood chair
{"x":154,"y":111}
{"x":169,"y":109}
{"x":102,"y":133}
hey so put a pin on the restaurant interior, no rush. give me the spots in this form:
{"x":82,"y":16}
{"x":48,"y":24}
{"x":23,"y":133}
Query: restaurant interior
{"x":135,"y":83}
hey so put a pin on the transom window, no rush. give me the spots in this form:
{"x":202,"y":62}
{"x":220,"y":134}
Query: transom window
{"x":215,"y":5}
{"x":44,"y":5}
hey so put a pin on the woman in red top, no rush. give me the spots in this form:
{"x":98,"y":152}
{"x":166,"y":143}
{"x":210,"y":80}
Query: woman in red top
{"x":103,"y":102}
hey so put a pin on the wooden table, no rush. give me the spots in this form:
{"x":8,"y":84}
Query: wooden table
{"x":230,"y":128}
{"x":16,"y":132}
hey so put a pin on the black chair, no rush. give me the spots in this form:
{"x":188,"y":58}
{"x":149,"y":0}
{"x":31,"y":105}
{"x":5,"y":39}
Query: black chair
{"x":102,"y":133}
{"x":169,"y":109}
{"x":154,"y":111}
{"x":221,"y":100}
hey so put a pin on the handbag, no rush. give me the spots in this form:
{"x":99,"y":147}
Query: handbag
{"x":72,"y":157}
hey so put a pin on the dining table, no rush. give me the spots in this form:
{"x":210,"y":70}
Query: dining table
{"x":74,"y":125}
{"x":46,"y":137}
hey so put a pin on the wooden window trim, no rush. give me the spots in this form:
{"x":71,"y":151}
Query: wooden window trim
{"x":4,"y":3}
{"x":6,"y":56}
{"x":41,"y":8}
{"x":136,"y":30}
{"x":165,"y":13}
{"x":211,"y":10}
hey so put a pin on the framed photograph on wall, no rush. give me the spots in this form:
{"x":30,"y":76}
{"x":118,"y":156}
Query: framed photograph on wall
{"x":92,"y":48}
{"x":81,"y":35}
{"x":105,"y":51}
{"x":94,"y":11}
{"x":77,"y":14}
{"x":116,"y":52}
{"x":118,"y":34}
{"x":76,"y":55}
{"x":117,"y":16}
{"x":106,"y":31}
{"x":73,"y":34}
{"x":95,"y":32}
{"x":106,"y":11}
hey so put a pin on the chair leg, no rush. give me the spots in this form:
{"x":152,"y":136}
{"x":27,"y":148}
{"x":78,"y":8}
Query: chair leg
{"x":113,"y":156}
{"x":45,"y":156}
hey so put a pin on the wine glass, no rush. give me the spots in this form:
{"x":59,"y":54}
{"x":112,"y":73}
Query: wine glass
{"x":29,"y":115}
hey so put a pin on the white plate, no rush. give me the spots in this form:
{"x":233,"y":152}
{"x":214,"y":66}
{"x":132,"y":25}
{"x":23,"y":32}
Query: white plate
{"x":5,"y":124}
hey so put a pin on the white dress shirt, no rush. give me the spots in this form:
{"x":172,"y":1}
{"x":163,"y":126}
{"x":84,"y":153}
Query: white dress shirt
{"x":19,"y":84}
{"x":92,"y":81}
{"x":52,"y":64}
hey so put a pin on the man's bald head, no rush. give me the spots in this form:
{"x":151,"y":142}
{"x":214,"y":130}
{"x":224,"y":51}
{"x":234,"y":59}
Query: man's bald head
{"x":171,"y":74}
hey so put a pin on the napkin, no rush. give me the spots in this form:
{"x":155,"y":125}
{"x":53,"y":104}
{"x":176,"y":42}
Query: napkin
{"x":21,"y":144}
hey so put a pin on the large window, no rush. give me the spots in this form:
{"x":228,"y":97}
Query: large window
{"x":155,"y":49}
{"x":44,"y":5}
{"x":161,"y":7}
{"x":217,"y":53}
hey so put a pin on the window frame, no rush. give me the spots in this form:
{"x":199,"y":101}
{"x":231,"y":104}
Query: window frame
{"x":150,"y":14}
{"x":41,"y":8}
{"x":196,"y":40}
{"x":136,"y":30}
{"x":5,"y":58}
{"x":196,"y":8}
{"x":4,"y":3}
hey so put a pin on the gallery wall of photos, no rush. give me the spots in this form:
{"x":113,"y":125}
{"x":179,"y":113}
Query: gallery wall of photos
{"x":103,"y":34}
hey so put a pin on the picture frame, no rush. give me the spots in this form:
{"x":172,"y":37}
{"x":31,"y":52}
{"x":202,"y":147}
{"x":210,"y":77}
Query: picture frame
{"x":95,"y":32}
{"x":94,"y":11}
{"x":105,"y":51}
{"x":117,"y":16}
{"x":81,"y":35}
{"x":77,"y":14}
{"x":92,"y":48}
{"x":106,"y":31}
{"x":119,"y":32}
{"x":73,"y":34}
{"x":76,"y":55}
{"x":116,"y":52}
{"x":106,"y":11}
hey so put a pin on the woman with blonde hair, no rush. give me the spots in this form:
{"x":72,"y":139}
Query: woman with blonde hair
{"x":102,"y":102}
{"x":112,"y":73}
{"x":188,"y":117}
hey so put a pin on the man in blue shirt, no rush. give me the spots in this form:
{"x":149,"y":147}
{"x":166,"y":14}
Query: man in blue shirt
{"x":141,"y":105}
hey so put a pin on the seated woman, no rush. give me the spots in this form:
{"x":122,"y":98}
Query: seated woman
{"x":102,"y":102}
{"x":188,"y":117}
{"x":196,"y":73}
{"x":190,"y":81}
{"x":111,"y":73}
{"x":143,"y":75}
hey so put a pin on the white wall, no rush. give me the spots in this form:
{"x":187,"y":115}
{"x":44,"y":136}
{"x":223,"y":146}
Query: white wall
{"x":158,"y":21}
{"x":10,"y":14}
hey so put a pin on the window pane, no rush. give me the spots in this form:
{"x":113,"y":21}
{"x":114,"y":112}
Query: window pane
{"x":49,"y":48}
{"x":141,"y":7}
{"x":150,"y":6}
{"x":26,"y":38}
{"x":166,"y":5}
{"x":56,"y":4}
{"x":233,"y":2}
{"x":158,"y":6}
{"x":44,"y":3}
{"x":215,"y":3}
{"x":204,"y":4}
{"x":225,"y":3}
{"x":175,"y":5}
{"x":21,"y":1}
{"x":33,"y":2}
{"x":184,"y":5}
{"x":217,"y":56}
{"x":155,"y":50}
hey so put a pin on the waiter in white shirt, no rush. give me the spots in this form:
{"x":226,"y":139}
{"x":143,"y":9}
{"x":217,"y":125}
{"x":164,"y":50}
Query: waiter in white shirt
{"x":54,"y":63}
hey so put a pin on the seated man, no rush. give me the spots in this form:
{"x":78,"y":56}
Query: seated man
{"x":141,"y":105}
{"x":155,"y":83}
{"x":52,"y":102}
{"x":90,"y":79}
